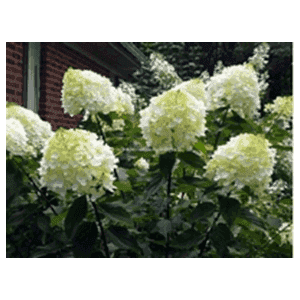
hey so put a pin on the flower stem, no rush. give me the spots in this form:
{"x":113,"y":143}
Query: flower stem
{"x":102,"y":234}
{"x":219,"y":133}
{"x":168,"y":211}
{"x":104,"y":139}
{"x":204,"y":243}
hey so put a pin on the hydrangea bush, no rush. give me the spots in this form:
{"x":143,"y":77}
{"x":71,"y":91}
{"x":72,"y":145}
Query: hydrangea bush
{"x":170,"y":180}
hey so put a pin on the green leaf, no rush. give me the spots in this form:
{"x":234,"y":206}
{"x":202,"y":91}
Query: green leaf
{"x":106,"y":118}
{"x":277,"y":134}
{"x":18,"y":217}
{"x":200,"y":146}
{"x":120,"y":237}
{"x":250,"y":217}
{"x":187,"y":239}
{"x":284,"y":148}
{"x":116,"y":213}
{"x":164,"y":227}
{"x":59,"y":218}
{"x":166,"y":163}
{"x":190,"y":180}
{"x":124,"y":186}
{"x":287,"y":201}
{"x":157,"y":181}
{"x":229,"y":209}
{"x":203,"y":210}
{"x":43,"y":223}
{"x":75,"y":215}
{"x":192,"y":159}
{"x":274,"y":222}
{"x":45,"y":250}
{"x":221,"y":237}
{"x":84,"y":239}
{"x":194,"y":181}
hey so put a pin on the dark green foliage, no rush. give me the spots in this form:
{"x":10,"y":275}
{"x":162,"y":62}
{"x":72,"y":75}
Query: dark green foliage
{"x":203,"y":210}
{"x":166,"y":163}
{"x":115,"y":212}
{"x":75,"y":215}
{"x":84,"y":239}
{"x":229,"y":208}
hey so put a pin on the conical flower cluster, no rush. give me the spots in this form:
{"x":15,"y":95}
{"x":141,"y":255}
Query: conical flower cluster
{"x":172,"y":121}
{"x":283,"y":107}
{"x":236,"y":86}
{"x":246,"y":159}
{"x":89,"y":91}
{"x":75,"y":160}
{"x":37,"y":131}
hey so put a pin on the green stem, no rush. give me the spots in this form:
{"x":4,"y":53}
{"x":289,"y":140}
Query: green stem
{"x":104,"y":139}
{"x":219,"y":133}
{"x":168,"y":211}
{"x":204,"y":243}
{"x":102,"y":234}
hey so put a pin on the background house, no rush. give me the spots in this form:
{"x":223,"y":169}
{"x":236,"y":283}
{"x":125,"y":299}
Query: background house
{"x":34,"y":72}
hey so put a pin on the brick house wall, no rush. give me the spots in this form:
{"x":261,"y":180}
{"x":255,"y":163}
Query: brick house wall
{"x":34,"y":73}
{"x":14,"y":72}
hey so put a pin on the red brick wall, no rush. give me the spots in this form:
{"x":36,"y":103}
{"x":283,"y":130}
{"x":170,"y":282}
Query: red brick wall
{"x":55,"y":60}
{"x":14,"y":72}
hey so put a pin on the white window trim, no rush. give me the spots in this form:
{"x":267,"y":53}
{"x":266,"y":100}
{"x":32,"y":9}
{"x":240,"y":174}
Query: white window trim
{"x":33,"y":77}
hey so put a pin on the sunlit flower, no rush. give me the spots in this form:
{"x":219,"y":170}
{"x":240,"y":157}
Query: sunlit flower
{"x":283,"y":107}
{"x":246,"y":159}
{"x":195,"y":87}
{"x":163,"y":71}
{"x":87,"y":90}
{"x":37,"y":130}
{"x":75,"y":160}
{"x":16,"y":139}
{"x":236,"y":86}
{"x":124,"y":103}
{"x":142,"y":164}
{"x":260,"y":56}
{"x":172,"y":121}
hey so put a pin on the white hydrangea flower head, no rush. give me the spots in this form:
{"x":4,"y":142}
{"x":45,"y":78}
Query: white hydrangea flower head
{"x":260,"y":56}
{"x":195,"y":87}
{"x":142,"y":164}
{"x":283,"y":106}
{"x":129,"y":89}
{"x":172,"y":121}
{"x":37,"y":130}
{"x":124,"y":103}
{"x":246,"y":159}
{"x":164,"y":72}
{"x":238,"y":85}
{"x":75,"y":160}
{"x":87,"y":90}
{"x":16,"y":139}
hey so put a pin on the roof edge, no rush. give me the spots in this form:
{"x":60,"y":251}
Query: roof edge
{"x":134,"y":51}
